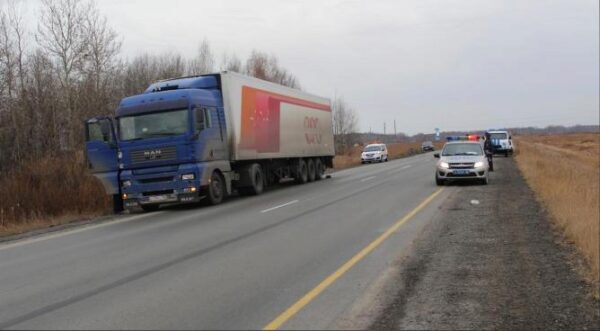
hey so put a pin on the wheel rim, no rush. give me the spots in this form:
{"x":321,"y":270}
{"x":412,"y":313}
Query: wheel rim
{"x":319,"y":169}
{"x":311,"y":171}
{"x":216,"y":189}
{"x":258,"y":182}
{"x":304,"y":173}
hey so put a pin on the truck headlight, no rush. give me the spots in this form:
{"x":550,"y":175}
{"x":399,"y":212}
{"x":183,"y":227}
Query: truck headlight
{"x":444,"y":165}
{"x":126,"y":183}
{"x":479,"y":164}
{"x":119,"y":155}
{"x":188,"y":176}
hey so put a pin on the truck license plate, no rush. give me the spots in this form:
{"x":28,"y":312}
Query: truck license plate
{"x":157,"y":198}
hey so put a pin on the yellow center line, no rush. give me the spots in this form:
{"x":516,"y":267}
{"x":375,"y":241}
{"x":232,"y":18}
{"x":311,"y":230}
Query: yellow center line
{"x":312,"y":294}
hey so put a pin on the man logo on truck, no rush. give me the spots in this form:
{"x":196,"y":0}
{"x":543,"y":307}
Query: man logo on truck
{"x":152,"y":155}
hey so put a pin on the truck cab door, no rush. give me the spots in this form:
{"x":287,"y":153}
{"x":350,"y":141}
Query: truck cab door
{"x":102,"y":152}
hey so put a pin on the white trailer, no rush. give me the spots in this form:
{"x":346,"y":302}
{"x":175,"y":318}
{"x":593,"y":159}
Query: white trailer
{"x":271,"y":121}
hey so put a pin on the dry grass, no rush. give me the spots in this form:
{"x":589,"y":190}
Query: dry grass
{"x":564,"y":171}
{"x":49,"y":192}
{"x":395,"y":151}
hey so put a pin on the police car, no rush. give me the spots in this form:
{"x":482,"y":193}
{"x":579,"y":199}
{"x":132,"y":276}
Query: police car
{"x":461,"y":159}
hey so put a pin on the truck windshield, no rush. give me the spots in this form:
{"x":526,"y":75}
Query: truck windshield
{"x":167,"y":123}
{"x":499,"y":135}
{"x":462,"y":149}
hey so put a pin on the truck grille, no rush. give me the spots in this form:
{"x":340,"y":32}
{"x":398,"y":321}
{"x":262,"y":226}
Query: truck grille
{"x":149,"y":193}
{"x":153,"y":154}
{"x":156,"y":180}
{"x":462,"y":165}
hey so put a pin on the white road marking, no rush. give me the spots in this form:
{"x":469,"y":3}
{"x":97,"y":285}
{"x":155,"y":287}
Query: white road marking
{"x":368,"y":178}
{"x":277,"y":207}
{"x":400,"y":169}
{"x":69,"y":232}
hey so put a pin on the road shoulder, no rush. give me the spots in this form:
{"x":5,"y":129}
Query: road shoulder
{"x":491,"y":260}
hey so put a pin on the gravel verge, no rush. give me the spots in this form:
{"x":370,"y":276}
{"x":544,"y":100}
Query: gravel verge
{"x":491,"y":261}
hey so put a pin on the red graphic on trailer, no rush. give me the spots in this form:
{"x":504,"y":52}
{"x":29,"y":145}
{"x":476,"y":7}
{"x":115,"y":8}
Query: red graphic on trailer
{"x":261,"y":119}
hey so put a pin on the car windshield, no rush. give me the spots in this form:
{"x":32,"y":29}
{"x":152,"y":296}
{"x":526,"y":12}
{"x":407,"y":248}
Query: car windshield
{"x":167,"y":123}
{"x":428,"y":143}
{"x":373,"y":148}
{"x":500,"y":135}
{"x":462,"y":149}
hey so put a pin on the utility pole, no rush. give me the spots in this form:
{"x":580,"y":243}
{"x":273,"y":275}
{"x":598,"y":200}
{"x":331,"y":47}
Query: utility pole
{"x":395,"y":133}
{"x":384,"y":128}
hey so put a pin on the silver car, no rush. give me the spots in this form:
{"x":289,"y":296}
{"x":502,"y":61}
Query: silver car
{"x":461,"y":160}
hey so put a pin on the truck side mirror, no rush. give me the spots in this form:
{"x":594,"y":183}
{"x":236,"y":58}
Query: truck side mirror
{"x":436,"y":155}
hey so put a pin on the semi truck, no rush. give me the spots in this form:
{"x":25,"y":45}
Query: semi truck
{"x":201,"y":138}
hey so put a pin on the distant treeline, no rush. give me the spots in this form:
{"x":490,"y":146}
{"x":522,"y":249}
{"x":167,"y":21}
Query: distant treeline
{"x":365,"y":138}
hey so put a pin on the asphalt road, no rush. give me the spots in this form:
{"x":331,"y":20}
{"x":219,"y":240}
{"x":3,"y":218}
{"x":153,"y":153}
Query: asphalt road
{"x":240,"y":265}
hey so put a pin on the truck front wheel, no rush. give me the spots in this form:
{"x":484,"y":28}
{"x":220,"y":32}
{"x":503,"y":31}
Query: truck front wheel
{"x":117,"y":203}
{"x":216,"y":189}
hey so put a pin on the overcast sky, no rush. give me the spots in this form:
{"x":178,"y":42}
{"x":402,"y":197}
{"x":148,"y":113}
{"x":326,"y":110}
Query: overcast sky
{"x":449,"y":64}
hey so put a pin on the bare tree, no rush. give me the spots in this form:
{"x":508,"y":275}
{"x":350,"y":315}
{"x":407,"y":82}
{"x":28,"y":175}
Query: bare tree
{"x":61,"y":34}
{"x":12,"y":72}
{"x":101,"y":46}
{"x":15,"y":18}
{"x":169,"y":65}
{"x":345,"y":123}
{"x":231,"y":63}
{"x":145,"y":69}
{"x":263,"y":66}
{"x":203,"y":62}
{"x":7,"y":55}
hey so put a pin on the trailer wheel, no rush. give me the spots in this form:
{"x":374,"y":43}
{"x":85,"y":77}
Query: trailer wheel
{"x":258,"y":181}
{"x":216,"y":189}
{"x":301,"y":172}
{"x":320,"y":169}
{"x":312,"y":173}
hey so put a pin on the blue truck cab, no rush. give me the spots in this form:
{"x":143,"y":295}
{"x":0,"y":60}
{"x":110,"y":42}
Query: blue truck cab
{"x":163,"y":146}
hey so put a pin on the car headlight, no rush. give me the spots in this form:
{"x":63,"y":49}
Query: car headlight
{"x":188,"y":176}
{"x":444,"y":165}
{"x":126,"y":183}
{"x":479,"y":164}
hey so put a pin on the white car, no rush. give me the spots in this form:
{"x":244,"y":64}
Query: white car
{"x":374,"y":153}
{"x":502,"y":142}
